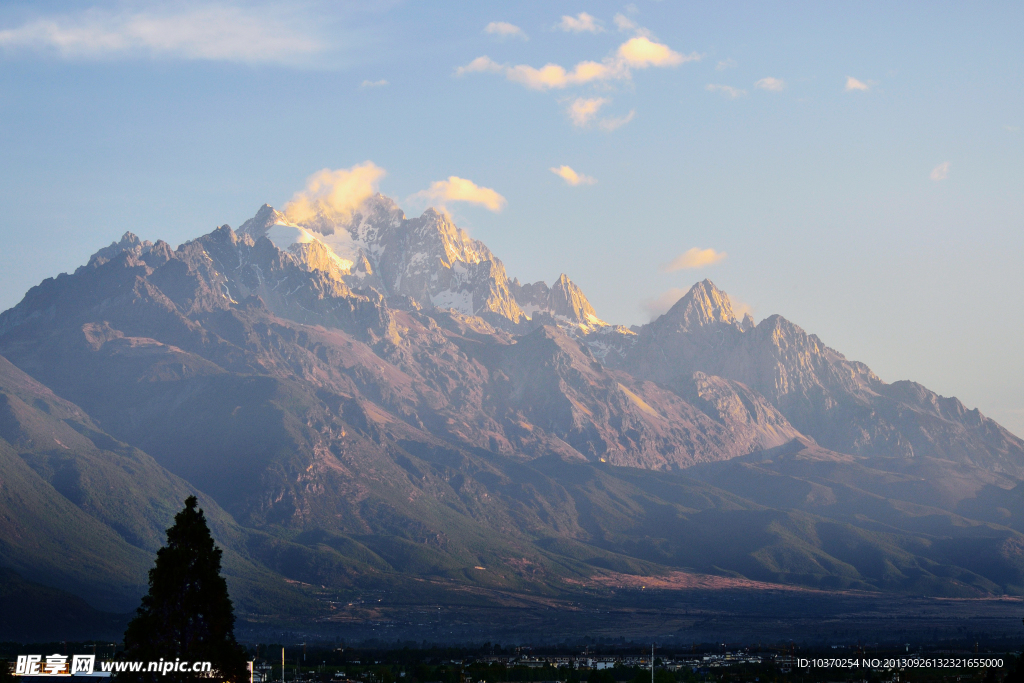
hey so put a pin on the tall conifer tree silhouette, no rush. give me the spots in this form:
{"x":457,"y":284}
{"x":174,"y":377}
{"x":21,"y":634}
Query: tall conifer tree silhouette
{"x":187,"y":614}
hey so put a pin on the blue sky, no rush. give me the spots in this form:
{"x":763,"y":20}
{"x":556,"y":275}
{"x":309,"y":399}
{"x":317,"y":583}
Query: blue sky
{"x":857,"y":168}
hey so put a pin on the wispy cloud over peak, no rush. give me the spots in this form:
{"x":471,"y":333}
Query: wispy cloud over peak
{"x":503,"y":29}
{"x":853,"y":84}
{"x":725,"y":64}
{"x":581,"y":23}
{"x":771,"y":83}
{"x":213,"y":32}
{"x":374,"y":84}
{"x":571,"y":177}
{"x":692,"y":258}
{"x":660,"y":304}
{"x":940,"y":172}
{"x":726,"y":90}
{"x":334,"y":195}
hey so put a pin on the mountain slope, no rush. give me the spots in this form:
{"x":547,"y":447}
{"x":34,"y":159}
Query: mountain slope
{"x":370,"y":404}
{"x":85,"y":512}
{"x":841,"y":403}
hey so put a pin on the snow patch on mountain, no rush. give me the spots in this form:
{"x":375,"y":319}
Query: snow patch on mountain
{"x":461,"y":301}
{"x":287,"y":237}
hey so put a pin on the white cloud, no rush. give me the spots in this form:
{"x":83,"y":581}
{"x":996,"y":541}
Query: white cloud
{"x":725,"y":64}
{"x":1012,"y":129}
{"x":551,"y":76}
{"x":480,"y":65}
{"x":457,"y":189}
{"x":374,"y":84}
{"x":769,"y":83}
{"x":572,"y":177}
{"x":581,"y":23}
{"x":583,"y":110}
{"x":213,"y":32}
{"x":726,"y":90}
{"x":940,"y":172}
{"x":611,"y":124}
{"x":334,"y":195}
{"x":853,"y":84}
{"x":639,"y":52}
{"x":693,"y":258}
{"x":503,"y":29}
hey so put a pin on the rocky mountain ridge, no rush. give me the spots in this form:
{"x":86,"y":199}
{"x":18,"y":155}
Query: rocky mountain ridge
{"x":840,"y":403}
{"x":351,"y":425}
{"x":427,"y":259}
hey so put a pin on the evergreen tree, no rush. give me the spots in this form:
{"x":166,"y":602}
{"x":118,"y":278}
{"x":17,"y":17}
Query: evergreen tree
{"x":187,"y":614}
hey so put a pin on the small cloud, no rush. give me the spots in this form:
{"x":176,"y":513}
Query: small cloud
{"x":480,"y":65}
{"x":624,"y":23}
{"x":581,"y":23}
{"x":1012,"y":129}
{"x":457,"y":189}
{"x":725,"y":64}
{"x":693,"y":258}
{"x":726,"y":90}
{"x":940,"y":172}
{"x":503,"y":29}
{"x":740,"y":309}
{"x":853,"y":84}
{"x":608,"y":125}
{"x":583,"y":110}
{"x":374,"y":84}
{"x":572,"y":177}
{"x":659,"y":305}
{"x":641,"y":52}
{"x":334,"y":195}
{"x":769,"y":83}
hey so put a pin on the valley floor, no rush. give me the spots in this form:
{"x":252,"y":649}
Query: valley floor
{"x":731,"y":616}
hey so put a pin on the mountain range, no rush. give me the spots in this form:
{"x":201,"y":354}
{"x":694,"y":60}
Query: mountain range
{"x":367,"y":405}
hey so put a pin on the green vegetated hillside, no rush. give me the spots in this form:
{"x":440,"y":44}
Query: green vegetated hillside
{"x":424,"y":451}
{"x":33,"y":612}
